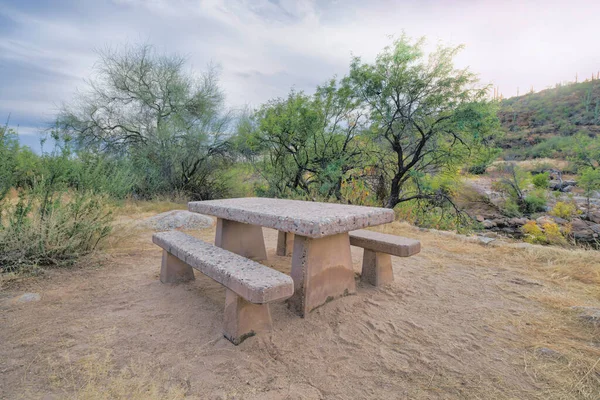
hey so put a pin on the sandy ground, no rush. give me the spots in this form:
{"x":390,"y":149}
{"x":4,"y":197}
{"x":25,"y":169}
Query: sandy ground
{"x":460,"y":321}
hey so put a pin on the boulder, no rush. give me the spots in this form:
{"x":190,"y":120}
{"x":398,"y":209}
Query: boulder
{"x":544,"y":219}
{"x":564,"y":186}
{"x":487,"y":224}
{"x":178,"y":219}
{"x":500,"y":223}
{"x":594,"y":216}
{"x":582,"y":231}
{"x":560,"y":221}
{"x":517,"y":221}
{"x":479,"y":218}
{"x":567,"y":189}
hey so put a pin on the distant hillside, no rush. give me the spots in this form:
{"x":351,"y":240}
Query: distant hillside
{"x":541,"y":124}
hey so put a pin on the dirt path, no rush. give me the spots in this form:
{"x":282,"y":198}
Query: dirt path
{"x":459,"y":322}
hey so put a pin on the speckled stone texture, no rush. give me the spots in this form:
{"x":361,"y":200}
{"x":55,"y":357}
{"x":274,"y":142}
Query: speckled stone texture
{"x":383,"y":243}
{"x":253,"y":281}
{"x":310,"y":219}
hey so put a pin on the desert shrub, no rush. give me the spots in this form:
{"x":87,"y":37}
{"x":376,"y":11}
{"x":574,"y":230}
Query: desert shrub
{"x":47,"y":229}
{"x":101,"y":174}
{"x":553,"y":233}
{"x":478,"y":169}
{"x":510,"y":208}
{"x":549,"y":233}
{"x":564,"y":210}
{"x":533,"y":233}
{"x":9,"y":147}
{"x":535,"y":202}
{"x":541,"y":181}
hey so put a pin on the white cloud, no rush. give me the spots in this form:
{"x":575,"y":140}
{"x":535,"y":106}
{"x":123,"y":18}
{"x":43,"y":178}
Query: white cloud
{"x":265,"y":47}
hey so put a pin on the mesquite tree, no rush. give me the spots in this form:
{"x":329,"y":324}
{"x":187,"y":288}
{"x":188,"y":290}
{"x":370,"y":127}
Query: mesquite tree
{"x":426,"y":115}
{"x":144,"y":106}
{"x":310,"y":142}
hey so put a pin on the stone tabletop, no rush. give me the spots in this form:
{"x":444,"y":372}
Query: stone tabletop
{"x":304,"y":218}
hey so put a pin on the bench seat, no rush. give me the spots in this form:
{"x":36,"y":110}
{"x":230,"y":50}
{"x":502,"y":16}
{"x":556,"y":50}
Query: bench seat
{"x":384,"y":243}
{"x":250,"y":285}
{"x":379,"y":247}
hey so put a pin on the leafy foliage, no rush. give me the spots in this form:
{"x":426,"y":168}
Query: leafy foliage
{"x":552,"y":122}
{"x":541,"y":181}
{"x":167,"y":124}
{"x":424,"y":114}
{"x":59,"y":214}
{"x":564,"y":210}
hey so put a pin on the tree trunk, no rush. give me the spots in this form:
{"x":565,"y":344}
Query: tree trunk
{"x":394,"y":192}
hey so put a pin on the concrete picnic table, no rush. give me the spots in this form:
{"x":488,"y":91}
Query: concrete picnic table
{"x":321,"y":261}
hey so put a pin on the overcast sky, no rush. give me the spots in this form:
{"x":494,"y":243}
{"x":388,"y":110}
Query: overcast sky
{"x":265,"y":47}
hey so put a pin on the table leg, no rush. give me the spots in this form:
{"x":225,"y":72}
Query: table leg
{"x":321,"y":270}
{"x":285,"y":243}
{"x":243,"y":239}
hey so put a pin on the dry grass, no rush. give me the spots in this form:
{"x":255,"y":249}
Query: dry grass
{"x":529,"y":165}
{"x":159,"y":205}
{"x":570,"y":277}
{"x":97,"y":377}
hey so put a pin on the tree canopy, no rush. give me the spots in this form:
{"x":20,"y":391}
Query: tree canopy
{"x":171,"y":123}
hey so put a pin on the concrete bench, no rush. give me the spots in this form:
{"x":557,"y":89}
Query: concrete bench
{"x":250,"y":286}
{"x":379,"y":247}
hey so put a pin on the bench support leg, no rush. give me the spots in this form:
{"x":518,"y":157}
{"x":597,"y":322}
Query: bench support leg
{"x":321,"y":270}
{"x":243,"y":239}
{"x":173,"y":270}
{"x":244,"y":319}
{"x":285,"y":243}
{"x":377,"y":268}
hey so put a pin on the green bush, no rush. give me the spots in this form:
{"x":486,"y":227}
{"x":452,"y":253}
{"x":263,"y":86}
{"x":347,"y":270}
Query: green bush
{"x":46,"y":229}
{"x":541,"y":181}
{"x":9,"y":148}
{"x":511,"y":209}
{"x":478,"y":169}
{"x":565,"y":210}
{"x":535,"y":202}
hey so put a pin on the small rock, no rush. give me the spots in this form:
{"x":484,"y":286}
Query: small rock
{"x":485,"y":240}
{"x":588,"y":314}
{"x":27,"y":297}
{"x":546,"y":352}
{"x":479,"y":218}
